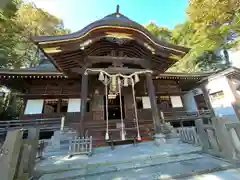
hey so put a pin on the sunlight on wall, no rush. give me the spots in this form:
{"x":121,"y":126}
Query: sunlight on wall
{"x":189,"y":102}
{"x":234,"y":57}
{"x":34,"y":106}
{"x":222,"y":106}
{"x":74,"y":105}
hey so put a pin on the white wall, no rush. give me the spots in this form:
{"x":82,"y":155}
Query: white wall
{"x":234,"y":57}
{"x":176,"y":101}
{"x":222,"y":107}
{"x":74,"y":105}
{"x":189,"y":102}
{"x":34,"y":106}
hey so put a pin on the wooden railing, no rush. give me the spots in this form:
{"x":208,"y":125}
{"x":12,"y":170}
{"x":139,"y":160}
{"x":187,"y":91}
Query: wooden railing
{"x":43,"y":124}
{"x":48,"y":122}
{"x":185,"y":115}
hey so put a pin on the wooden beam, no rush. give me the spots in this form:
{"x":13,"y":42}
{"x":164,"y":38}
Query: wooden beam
{"x":106,"y":59}
{"x":113,"y":58}
{"x":110,"y":70}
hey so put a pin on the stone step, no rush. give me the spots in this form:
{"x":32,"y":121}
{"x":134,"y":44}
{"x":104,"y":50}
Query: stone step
{"x":151,"y":168}
{"x":94,"y":168}
{"x":84,"y":162}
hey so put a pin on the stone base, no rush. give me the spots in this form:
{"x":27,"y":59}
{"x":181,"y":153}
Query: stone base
{"x":159,"y":139}
{"x":58,"y":137}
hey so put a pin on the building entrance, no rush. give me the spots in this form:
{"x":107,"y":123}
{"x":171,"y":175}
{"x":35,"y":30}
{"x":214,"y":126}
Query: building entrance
{"x":114,"y":107}
{"x":201,"y":103}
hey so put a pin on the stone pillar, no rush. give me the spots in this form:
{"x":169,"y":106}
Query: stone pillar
{"x":159,"y":137}
{"x":202,"y":134}
{"x":9,"y":154}
{"x":33,"y":137}
{"x":225,"y":141}
{"x":206,"y":98}
{"x":84,"y":93}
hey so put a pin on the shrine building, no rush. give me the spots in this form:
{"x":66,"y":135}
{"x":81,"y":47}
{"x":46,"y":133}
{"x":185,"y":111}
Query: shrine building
{"x":109,"y":80}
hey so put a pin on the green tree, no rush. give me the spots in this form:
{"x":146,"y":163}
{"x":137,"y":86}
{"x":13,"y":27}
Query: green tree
{"x":17,"y":28}
{"x":8,"y":31}
{"x":216,"y":20}
{"x":162,"y":33}
{"x":210,"y":26}
{"x":11,"y":106}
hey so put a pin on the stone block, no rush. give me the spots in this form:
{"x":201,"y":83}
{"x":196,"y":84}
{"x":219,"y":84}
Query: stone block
{"x":223,"y":137}
{"x":202,"y":134}
{"x":33,"y":137}
{"x":10,"y":154}
{"x":23,"y":171}
{"x":59,"y":138}
{"x":213,"y":141}
{"x":159,"y":139}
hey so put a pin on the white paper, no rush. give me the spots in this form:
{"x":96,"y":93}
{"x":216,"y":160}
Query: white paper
{"x":74,"y":105}
{"x":34,"y":106}
{"x":146,"y":102}
{"x":176,"y":101}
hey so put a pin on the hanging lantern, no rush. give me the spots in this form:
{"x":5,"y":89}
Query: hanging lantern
{"x":125,"y":83}
{"x":101,"y":76}
{"x":136,"y":78}
{"x":113,"y":83}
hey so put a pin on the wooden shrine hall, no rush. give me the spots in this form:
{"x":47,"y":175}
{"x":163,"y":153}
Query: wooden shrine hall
{"x":109,"y":80}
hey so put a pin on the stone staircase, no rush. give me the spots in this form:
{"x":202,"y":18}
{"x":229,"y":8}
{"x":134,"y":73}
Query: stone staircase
{"x":173,"y":160}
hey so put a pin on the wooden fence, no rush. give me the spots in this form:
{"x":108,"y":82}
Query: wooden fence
{"x":80,"y":146}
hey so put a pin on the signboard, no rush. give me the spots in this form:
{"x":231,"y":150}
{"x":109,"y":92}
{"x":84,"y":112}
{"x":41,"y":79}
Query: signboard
{"x":146,"y":102}
{"x":176,"y":101}
{"x":34,"y":106}
{"x":74,"y":105}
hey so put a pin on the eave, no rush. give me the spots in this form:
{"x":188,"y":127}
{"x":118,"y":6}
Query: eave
{"x":30,"y":74}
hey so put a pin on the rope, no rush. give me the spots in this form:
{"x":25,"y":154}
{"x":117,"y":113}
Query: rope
{"x":106,"y":106}
{"x":135,"y":109}
{"x":118,"y":74}
{"x":120,"y":97}
{"x":119,"y":87}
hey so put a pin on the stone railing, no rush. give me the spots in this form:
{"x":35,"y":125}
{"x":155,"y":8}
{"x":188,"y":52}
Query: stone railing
{"x":18,"y":155}
{"x":234,"y":134}
{"x":221,"y":138}
{"x":185,"y":115}
{"x":189,"y":135}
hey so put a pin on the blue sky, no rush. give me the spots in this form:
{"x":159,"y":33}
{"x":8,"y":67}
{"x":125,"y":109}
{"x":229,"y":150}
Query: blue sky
{"x":76,"y":14}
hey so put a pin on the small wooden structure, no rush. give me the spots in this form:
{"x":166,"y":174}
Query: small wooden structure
{"x":80,"y":146}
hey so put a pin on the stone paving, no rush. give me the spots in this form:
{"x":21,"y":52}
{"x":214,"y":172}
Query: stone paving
{"x":231,"y":174}
{"x":145,"y":161}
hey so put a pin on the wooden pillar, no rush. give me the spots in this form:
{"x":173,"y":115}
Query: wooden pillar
{"x":59,"y":106}
{"x":83,"y":108}
{"x":152,"y":97}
